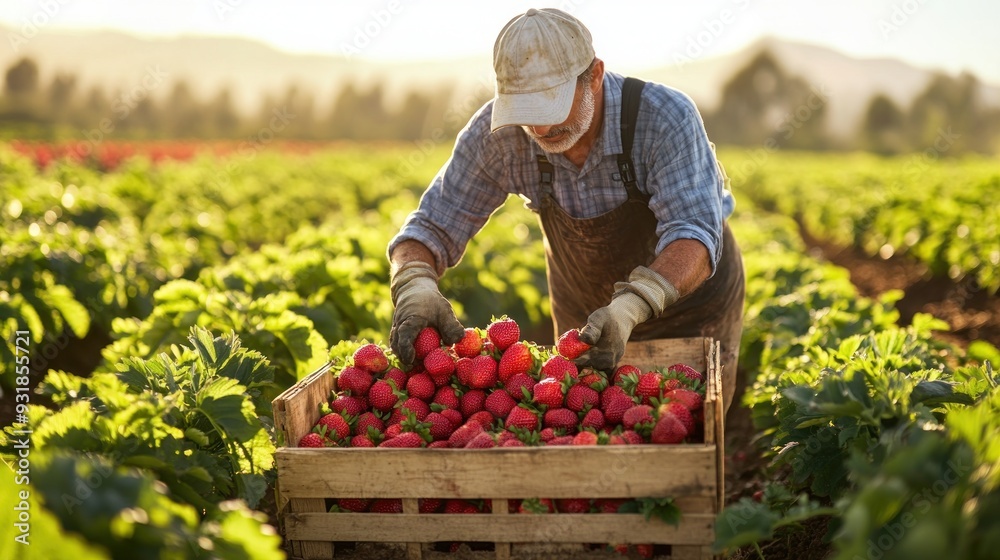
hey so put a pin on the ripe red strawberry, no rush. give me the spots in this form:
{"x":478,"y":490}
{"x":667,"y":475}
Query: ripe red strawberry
{"x":404,"y":439}
{"x":536,"y":505}
{"x":440,"y":426}
{"x":632,"y":437}
{"x":570,"y":346}
{"x":594,"y":419}
{"x":686,"y":371}
{"x":593,"y":378}
{"x":614,"y":403}
{"x":503,"y":332}
{"x":368,"y":420}
{"x":371,"y":358}
{"x":427,"y":339}
{"x":393,"y":429}
{"x":355,"y":380}
{"x":337,"y":428}
{"x":456,"y":506}
{"x":483,"y":417}
{"x":439,"y":363}
{"x":580,"y":397}
{"x":548,"y":392}
{"x":584,"y":438}
{"x":680,"y":412}
{"x":454,"y":416}
{"x":623,"y":370}
{"x":356,"y":505}
{"x":547,"y":434}
{"x":559,"y":368}
{"x":690,"y":399}
{"x":484,"y":372}
{"x":482,"y":440}
{"x":418,"y":407}
{"x":560,"y":418}
{"x":513,"y":443}
{"x":561,"y":440}
{"x":438,"y":445}
{"x":516,"y":385}
{"x":648,"y":387}
{"x":573,"y":505}
{"x":638,"y":415}
{"x":471,"y":402}
{"x":522,"y":417}
{"x":499,"y":404}
{"x":644,"y":550}
{"x":668,"y":429}
{"x":464,"y":434}
{"x":348,"y":405}
{"x":387,"y":506}
{"x":421,"y":386}
{"x":397,"y":376}
{"x":429,"y":505}
{"x":362,"y":441}
{"x":382,"y":396}
{"x":312,"y":439}
{"x":615,"y":439}
{"x":471,"y":344}
{"x":446,"y":397}
{"x":515,"y":359}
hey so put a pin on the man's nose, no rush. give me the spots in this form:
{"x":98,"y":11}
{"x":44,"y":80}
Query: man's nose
{"x":540,"y":130}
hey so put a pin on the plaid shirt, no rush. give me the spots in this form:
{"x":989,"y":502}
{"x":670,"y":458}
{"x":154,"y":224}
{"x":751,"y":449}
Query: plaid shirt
{"x":674,"y":163}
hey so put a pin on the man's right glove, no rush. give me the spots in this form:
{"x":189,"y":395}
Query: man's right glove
{"x":643,"y":297}
{"x":418,"y":303}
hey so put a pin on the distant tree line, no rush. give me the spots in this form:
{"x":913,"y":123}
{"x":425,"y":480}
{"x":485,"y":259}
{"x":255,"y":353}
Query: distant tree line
{"x":761,"y":105}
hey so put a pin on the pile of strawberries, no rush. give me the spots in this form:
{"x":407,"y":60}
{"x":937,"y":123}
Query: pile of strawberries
{"x":492,"y":389}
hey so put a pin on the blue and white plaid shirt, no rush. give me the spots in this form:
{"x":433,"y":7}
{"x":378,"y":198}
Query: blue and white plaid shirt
{"x":674,"y":163}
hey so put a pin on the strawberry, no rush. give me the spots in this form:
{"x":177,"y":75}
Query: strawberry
{"x":417,"y":407}
{"x":594,"y":419}
{"x":623,"y":370}
{"x":615,"y":439}
{"x":438,"y":445}
{"x":393,"y":429}
{"x":382,"y":396}
{"x":560,"y":418}
{"x":348,"y":405}
{"x":429,"y":505}
{"x":548,"y":392}
{"x":336,"y":426}
{"x":472,"y":402}
{"x":440,"y":426}
{"x":439,"y":363}
{"x":355,"y":380}
{"x":463,"y":370}
{"x":404,"y":439}
{"x":482,"y":440}
{"x":503,"y":332}
{"x":644,"y":550}
{"x":397,"y":376}
{"x":632,"y":437}
{"x":446,"y":397}
{"x":371,"y":358}
{"x":638,"y":415}
{"x":471,"y":344}
{"x":570,"y":346}
{"x":421,"y":386}
{"x":559,"y":368}
{"x":312,"y":439}
{"x":614,"y":403}
{"x":387,"y":506}
{"x":368,"y":420}
{"x":483,"y":417}
{"x":356,"y":505}
{"x":584,"y":438}
{"x":427,"y":339}
{"x":536,"y":505}
{"x":547,"y":434}
{"x":680,"y":412}
{"x":593,"y":378}
{"x":513,"y":443}
{"x":648,"y":386}
{"x":686,"y":371}
{"x":561,"y":440}
{"x":522,"y":417}
{"x":609,"y":505}
{"x":517,"y":384}
{"x":515,"y":359}
{"x":581,"y":397}
{"x":690,"y":399}
{"x":668,"y":429}
{"x":505,"y":435}
{"x":484,"y":372}
{"x":499,"y":404}
{"x":464,"y":434}
{"x":362,"y":441}
{"x":454,"y":416}
{"x":573,"y":505}
{"x":455,"y":506}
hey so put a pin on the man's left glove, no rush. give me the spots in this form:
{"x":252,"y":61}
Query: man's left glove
{"x":419,"y":304}
{"x":643,"y":297}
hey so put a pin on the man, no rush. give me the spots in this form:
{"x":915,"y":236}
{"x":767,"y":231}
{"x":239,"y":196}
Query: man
{"x":635,"y":250}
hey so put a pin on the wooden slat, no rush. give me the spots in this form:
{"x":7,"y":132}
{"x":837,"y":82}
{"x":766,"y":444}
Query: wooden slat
{"x":666,"y":352}
{"x":297,"y":409}
{"x":501,"y":508}
{"x":310,"y":549}
{"x":719,"y":415}
{"x":694,"y":529}
{"x":688,"y":552}
{"x":412,"y":506}
{"x":596,"y":472}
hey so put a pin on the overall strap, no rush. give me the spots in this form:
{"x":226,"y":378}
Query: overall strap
{"x":631,"y":98}
{"x":546,"y":172}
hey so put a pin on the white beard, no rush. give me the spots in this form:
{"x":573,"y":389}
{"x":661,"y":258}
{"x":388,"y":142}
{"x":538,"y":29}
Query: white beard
{"x":574,"y":130}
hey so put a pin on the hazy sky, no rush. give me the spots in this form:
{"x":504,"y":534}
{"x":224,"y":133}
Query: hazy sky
{"x":628,"y":34}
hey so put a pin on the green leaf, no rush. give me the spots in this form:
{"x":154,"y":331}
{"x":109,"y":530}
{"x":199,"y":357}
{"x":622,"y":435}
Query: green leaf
{"x":253,"y":487}
{"x":223,"y":402}
{"x":938,"y":392}
{"x":197,"y":436}
{"x":73,"y":312}
{"x":743,"y":523}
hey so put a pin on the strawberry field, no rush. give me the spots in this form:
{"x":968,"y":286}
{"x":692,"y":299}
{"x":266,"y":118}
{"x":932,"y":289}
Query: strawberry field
{"x":154,"y":302}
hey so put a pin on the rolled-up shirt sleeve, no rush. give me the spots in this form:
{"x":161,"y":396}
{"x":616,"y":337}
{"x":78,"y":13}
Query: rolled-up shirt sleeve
{"x":461,"y":197}
{"x":685,"y":181}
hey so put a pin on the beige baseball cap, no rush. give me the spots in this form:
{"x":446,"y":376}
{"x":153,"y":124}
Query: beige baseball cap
{"x":537,"y":58}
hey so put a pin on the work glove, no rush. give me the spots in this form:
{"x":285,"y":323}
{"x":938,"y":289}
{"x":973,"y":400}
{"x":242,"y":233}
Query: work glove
{"x":418,"y":304}
{"x":643,"y":297}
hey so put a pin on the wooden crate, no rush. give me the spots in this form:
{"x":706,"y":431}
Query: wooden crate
{"x":690,"y":473}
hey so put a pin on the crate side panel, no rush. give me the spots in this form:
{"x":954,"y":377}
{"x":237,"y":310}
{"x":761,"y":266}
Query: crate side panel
{"x":297,"y":409}
{"x":666,"y":352}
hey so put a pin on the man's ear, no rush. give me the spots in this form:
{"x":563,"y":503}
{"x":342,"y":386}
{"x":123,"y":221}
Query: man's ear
{"x":598,"y":79}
